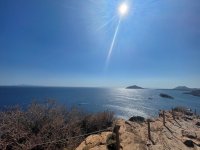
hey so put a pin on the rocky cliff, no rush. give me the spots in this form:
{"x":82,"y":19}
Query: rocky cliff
{"x":181,"y":133}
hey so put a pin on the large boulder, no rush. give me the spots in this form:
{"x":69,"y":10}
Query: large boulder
{"x":138,"y":119}
{"x":198,"y":124}
{"x":189,"y":134}
{"x":189,"y":143}
{"x":189,"y":113}
{"x":95,"y":142}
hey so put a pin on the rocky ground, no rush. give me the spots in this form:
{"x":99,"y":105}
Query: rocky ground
{"x":181,"y":133}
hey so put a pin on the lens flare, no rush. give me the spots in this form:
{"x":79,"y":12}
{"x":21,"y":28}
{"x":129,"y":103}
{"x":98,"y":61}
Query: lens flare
{"x":112,"y":44}
{"x":122,"y":10}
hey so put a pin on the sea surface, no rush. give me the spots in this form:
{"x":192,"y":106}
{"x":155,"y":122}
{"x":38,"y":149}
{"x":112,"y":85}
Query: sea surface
{"x":124,"y":102}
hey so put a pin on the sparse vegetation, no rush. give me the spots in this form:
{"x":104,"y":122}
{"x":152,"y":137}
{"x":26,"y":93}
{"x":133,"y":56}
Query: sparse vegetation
{"x":183,"y":110}
{"x":180,"y":109}
{"x":44,"y":126}
{"x":111,"y":140}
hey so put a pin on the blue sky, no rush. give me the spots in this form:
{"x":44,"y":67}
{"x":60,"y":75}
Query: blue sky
{"x":66,"y":43}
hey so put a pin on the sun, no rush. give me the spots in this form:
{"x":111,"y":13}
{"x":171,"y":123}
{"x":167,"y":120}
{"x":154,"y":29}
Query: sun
{"x":123,"y":9}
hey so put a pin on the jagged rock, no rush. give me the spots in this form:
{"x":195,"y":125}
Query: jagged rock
{"x":188,"y":118}
{"x":189,"y":143}
{"x":198,"y":135}
{"x":149,"y":143}
{"x":168,"y":135}
{"x":137,"y":119}
{"x":81,"y":146}
{"x":189,"y":134}
{"x":189,"y":113}
{"x":100,"y":147}
{"x":176,"y":135}
{"x":104,"y":136}
{"x":94,"y":141}
{"x":156,"y":147}
{"x":198,"y":124}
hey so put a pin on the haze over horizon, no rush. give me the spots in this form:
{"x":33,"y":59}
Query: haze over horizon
{"x":144,"y":85}
{"x":67,"y":43}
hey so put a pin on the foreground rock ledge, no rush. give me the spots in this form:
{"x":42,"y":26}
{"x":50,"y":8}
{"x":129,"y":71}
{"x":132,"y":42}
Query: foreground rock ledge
{"x":178,"y":134}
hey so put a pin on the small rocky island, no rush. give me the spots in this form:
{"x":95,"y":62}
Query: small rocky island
{"x":166,"y":96}
{"x":134,"y":87}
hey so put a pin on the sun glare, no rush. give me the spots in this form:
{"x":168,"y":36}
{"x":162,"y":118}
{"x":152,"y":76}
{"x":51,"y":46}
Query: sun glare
{"x":123,"y":9}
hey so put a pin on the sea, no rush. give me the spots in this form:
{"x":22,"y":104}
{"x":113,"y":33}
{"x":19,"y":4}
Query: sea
{"x":125,"y":103}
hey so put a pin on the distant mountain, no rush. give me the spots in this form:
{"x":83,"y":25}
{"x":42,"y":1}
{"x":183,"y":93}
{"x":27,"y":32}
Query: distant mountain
{"x":182,"y":88}
{"x":134,"y":87}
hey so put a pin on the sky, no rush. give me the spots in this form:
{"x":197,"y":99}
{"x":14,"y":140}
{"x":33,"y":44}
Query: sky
{"x":67,"y":43}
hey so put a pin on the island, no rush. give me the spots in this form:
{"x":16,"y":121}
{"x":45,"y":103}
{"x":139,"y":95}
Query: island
{"x":194,"y":93}
{"x":166,"y":96}
{"x":134,"y":87}
{"x":182,"y":88}
{"x":191,"y":91}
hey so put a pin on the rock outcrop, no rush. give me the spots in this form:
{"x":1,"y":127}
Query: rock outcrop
{"x":95,"y":142}
{"x":137,"y":119}
{"x":177,"y":134}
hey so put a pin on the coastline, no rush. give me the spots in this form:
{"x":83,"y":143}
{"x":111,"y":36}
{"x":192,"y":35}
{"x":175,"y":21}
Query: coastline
{"x":181,"y":131}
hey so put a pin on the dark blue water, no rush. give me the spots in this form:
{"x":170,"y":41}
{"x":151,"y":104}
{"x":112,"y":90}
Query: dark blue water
{"x":124,"y":102}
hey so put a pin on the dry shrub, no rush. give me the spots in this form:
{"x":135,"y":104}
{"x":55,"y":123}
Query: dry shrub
{"x":44,"y":126}
{"x":180,"y":109}
{"x":97,"y":121}
{"x":184,"y":110}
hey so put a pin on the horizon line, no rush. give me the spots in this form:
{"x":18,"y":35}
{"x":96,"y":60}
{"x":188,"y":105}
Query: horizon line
{"x":70,"y":86}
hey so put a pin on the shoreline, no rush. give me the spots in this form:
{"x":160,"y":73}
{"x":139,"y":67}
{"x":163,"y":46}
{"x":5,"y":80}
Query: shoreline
{"x":181,"y":130}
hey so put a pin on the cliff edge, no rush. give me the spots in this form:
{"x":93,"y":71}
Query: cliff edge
{"x":179,"y":132}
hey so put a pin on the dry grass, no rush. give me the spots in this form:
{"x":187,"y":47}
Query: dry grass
{"x":43,"y":123}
